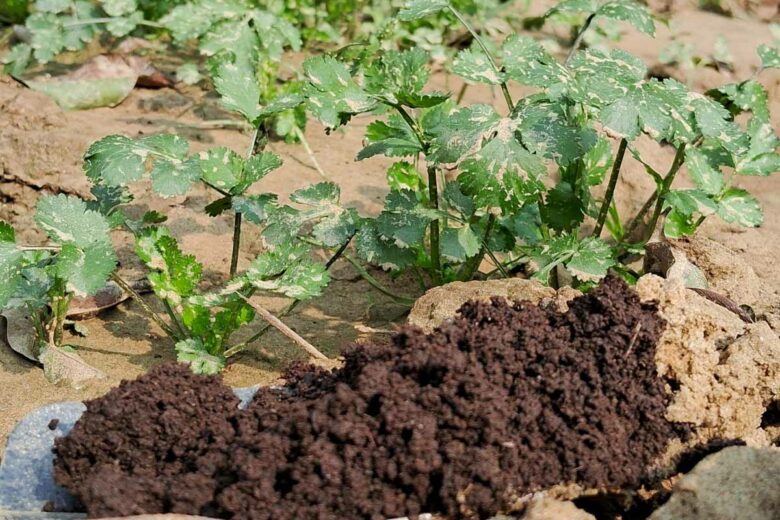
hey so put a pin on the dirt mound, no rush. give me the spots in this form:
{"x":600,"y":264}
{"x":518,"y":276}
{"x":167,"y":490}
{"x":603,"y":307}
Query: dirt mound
{"x":504,"y":400}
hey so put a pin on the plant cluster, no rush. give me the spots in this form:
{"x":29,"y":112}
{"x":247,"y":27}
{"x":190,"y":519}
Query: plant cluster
{"x":531,"y":186}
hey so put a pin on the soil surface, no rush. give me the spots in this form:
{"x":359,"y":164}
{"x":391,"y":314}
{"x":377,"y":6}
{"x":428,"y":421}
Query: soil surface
{"x":41,"y":149}
{"x":505,"y":400}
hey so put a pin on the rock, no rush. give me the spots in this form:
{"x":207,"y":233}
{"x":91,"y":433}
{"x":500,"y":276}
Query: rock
{"x":723,"y":373}
{"x":542,"y":507}
{"x":441,"y":303}
{"x":735,"y":483}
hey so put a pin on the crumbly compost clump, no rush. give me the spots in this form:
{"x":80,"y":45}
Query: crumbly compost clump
{"x":504,"y":400}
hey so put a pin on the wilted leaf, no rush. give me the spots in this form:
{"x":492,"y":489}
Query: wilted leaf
{"x":63,"y":365}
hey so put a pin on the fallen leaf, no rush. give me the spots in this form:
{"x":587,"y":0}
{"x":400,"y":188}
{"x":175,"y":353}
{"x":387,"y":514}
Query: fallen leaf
{"x":60,"y":365}
{"x":18,"y":334}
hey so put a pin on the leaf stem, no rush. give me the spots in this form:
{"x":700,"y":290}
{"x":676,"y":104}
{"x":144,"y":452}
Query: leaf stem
{"x":491,"y":60}
{"x":375,"y":283}
{"x":174,"y":319}
{"x":313,"y":158}
{"x":468,"y":269}
{"x":578,"y":40}
{"x":413,"y":125}
{"x":284,"y":329}
{"x":610,"y":194}
{"x":238,"y":217}
{"x":679,"y":158}
{"x":90,"y":21}
{"x":433,"y":195}
{"x":144,"y":306}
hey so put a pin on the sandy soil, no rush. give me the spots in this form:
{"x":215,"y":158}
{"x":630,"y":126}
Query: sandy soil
{"x":41,"y":149}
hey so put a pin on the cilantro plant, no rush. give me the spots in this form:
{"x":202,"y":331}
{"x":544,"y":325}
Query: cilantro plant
{"x":498,"y":199}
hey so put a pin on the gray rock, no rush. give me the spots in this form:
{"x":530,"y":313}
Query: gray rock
{"x":738,"y":483}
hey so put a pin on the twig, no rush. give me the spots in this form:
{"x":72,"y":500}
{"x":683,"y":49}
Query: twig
{"x":310,"y":152}
{"x":613,"y":179}
{"x":284,"y":329}
{"x":634,"y":337}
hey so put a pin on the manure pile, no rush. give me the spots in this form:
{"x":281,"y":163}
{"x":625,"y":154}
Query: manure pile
{"x":506,"y":399}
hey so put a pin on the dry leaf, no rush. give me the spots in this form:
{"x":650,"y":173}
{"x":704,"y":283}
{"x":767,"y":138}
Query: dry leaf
{"x":18,"y":334}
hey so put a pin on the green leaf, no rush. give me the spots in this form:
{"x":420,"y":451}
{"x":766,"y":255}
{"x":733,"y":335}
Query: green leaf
{"x":66,"y":220}
{"x":10,"y":264}
{"x":286,"y":271}
{"x":602,"y":78}
{"x":170,"y":179}
{"x":760,"y":157}
{"x":52,"y":6}
{"x":404,"y":176}
{"x":563,"y":209}
{"x":114,"y":160}
{"x":47,"y":36}
{"x":374,"y":249}
{"x":239,"y":89}
{"x":547,"y":132}
{"x":678,"y":225}
{"x":714,"y":121}
{"x":464,"y":132}
{"x":335,"y":230}
{"x":528,"y":63}
{"x":739,"y":207}
{"x":257,"y":167}
{"x":194,"y":353}
{"x":254,"y":207}
{"x":457,"y":200}
{"x":770,"y":57}
{"x":221,"y":167}
{"x":86,"y":269}
{"x":597,"y":162}
{"x":125,"y":25}
{"x":690,"y":202}
{"x":577,"y":6}
{"x":319,"y":194}
{"x":457,"y":245}
{"x":273,"y":263}
{"x":332,"y":95}
{"x":392,"y":139}
{"x":17,"y":59}
{"x":175,"y":275}
{"x":398,"y":78}
{"x":417,"y":9}
{"x":402,"y":221}
{"x":302,"y":281}
{"x":473,"y":66}
{"x":705,"y":175}
{"x":588,"y":259}
{"x":630,"y":11}
{"x":748,"y":96}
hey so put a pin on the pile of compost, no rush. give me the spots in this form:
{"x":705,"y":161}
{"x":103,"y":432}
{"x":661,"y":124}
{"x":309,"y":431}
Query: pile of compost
{"x":506,"y":399}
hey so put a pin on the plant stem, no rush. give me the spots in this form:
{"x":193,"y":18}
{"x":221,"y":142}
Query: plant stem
{"x":578,"y":40}
{"x":433,"y":195}
{"x":413,"y":125}
{"x":284,"y":329}
{"x":90,"y":21}
{"x":491,"y":60}
{"x":174,"y":319}
{"x":144,"y":306}
{"x":375,"y":283}
{"x":238,"y":218}
{"x":639,"y":216}
{"x":610,"y":194}
{"x":679,"y":158}
{"x":313,"y":158}
{"x":461,"y":93}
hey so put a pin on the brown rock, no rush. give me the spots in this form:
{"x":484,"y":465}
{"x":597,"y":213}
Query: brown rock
{"x":735,"y":483}
{"x":441,"y":303}
{"x":724,"y":373}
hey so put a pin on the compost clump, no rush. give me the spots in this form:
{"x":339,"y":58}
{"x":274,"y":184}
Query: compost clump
{"x":505,"y":399}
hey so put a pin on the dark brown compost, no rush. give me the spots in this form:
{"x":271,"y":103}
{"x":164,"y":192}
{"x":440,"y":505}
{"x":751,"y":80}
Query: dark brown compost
{"x":503,"y":400}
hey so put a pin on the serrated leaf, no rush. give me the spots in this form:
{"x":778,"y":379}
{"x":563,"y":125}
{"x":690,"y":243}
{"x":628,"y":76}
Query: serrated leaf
{"x":587,"y":260}
{"x":317,"y":194}
{"x":404,"y":176}
{"x":193,"y":19}
{"x":332,"y":95}
{"x":48,"y":39}
{"x":417,"y":9}
{"x":170,"y":179}
{"x":473,"y":66}
{"x":17,"y":59}
{"x":273,"y":263}
{"x":629,"y":11}
{"x":281,"y":103}
{"x":52,"y":6}
{"x":770,"y":56}
{"x":563,"y":209}
{"x":597,"y":162}
{"x":464,"y":132}
{"x":528,"y":63}
{"x":10,"y":264}
{"x":175,"y":275}
{"x":576,"y":6}
{"x":257,"y":167}
{"x":302,"y":281}
{"x":239,"y":90}
{"x":335,"y":230}
{"x":123,"y":26}
{"x":221,"y":167}
{"x":398,"y":78}
{"x":547,"y":132}
{"x":86,"y":269}
{"x":66,"y":220}
{"x":457,"y":200}
{"x":194,"y":353}
{"x":746,"y":96}
{"x":704,"y":174}
{"x":457,"y":245}
{"x":714,"y":122}
{"x":603,"y":78}
{"x":760,"y":157}
{"x":402,"y":222}
{"x":393,"y":138}
{"x":254,"y":207}
{"x":283,"y":224}
{"x":372,"y":248}
{"x":739,"y":207}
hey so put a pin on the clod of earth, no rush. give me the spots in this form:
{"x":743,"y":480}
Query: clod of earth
{"x":504,"y":400}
